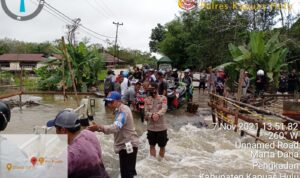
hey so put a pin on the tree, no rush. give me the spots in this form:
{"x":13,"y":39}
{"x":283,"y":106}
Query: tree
{"x":198,"y":39}
{"x":4,"y":48}
{"x":260,"y":53}
{"x":156,"y":37}
{"x":86,"y":64}
{"x":133,"y":57}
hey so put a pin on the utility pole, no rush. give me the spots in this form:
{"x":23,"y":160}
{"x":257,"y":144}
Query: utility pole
{"x":116,"y":40}
{"x":65,"y":53}
{"x":71,"y":31}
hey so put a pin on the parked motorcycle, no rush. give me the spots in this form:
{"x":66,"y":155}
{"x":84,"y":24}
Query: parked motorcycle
{"x":176,"y":95}
{"x":139,"y":104}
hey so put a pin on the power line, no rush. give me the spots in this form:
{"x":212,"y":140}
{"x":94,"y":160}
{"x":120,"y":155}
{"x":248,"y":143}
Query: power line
{"x":88,"y":33}
{"x":56,"y":10}
{"x":70,"y":19}
{"x":67,"y":20}
{"x":106,"y":8}
{"x":97,"y":10}
{"x":92,"y":31}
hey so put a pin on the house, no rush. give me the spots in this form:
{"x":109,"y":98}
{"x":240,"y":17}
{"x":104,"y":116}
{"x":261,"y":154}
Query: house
{"x":14,"y":62}
{"x":110,"y":61}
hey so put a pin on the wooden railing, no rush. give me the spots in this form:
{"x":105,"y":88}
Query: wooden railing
{"x":238,"y":116}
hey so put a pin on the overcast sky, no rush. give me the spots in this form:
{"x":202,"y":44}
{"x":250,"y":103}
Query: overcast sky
{"x":138,"y":17}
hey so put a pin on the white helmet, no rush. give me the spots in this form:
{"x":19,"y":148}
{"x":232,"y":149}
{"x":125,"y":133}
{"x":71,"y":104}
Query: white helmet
{"x":260,"y":72}
{"x":187,"y":71}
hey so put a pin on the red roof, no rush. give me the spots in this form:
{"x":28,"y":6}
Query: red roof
{"x":57,"y":56}
{"x":110,"y":59}
{"x":22,"y":57}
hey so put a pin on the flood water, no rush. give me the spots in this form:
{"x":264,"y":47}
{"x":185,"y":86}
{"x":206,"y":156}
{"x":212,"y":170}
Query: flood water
{"x":192,"y":150}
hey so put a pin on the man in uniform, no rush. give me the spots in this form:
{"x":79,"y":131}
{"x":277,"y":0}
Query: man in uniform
{"x":155,"y":108}
{"x":125,"y":137}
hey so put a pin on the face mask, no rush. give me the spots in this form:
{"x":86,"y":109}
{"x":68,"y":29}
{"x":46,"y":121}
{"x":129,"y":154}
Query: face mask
{"x":153,"y":93}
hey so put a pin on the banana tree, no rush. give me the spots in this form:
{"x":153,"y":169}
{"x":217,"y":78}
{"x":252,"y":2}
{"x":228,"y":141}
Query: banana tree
{"x":86,"y":64}
{"x":259,"y":53}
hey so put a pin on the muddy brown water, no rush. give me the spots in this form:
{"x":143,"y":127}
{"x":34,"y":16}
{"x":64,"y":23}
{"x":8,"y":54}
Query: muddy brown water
{"x":192,"y":151}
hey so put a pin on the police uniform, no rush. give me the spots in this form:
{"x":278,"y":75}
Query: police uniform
{"x":157,"y":130}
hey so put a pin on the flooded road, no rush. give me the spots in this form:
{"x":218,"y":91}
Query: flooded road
{"x":192,"y":151}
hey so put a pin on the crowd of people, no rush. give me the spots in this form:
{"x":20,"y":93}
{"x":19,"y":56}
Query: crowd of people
{"x":135,"y":83}
{"x":84,"y":150}
{"x":215,"y":81}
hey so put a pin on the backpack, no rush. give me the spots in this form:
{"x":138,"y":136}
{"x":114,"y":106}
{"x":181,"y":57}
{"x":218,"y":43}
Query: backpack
{"x":108,"y":85}
{"x":220,"y":84}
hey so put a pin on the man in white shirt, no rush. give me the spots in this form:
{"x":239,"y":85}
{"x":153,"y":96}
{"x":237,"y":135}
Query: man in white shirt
{"x":124,"y":84}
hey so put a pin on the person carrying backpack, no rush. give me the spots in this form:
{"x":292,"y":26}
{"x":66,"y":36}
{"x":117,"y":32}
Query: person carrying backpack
{"x":109,"y":82}
{"x":220,"y":83}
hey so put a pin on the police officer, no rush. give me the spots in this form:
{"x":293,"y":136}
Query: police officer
{"x":125,"y":137}
{"x":155,"y":108}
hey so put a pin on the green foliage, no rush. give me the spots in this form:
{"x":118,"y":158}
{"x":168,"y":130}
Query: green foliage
{"x":157,"y":35}
{"x":260,"y":53}
{"x":5,"y":77}
{"x":48,"y":78}
{"x":4,"y":48}
{"x":14,"y":46}
{"x":199,"y":39}
{"x":86,"y":65}
{"x":133,"y":57}
{"x":102,"y":75}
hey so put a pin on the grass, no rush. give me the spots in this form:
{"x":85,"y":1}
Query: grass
{"x":28,"y":83}
{"x":102,"y":74}
{"x":101,"y":77}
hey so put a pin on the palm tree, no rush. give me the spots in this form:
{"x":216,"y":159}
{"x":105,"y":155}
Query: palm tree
{"x":22,"y":6}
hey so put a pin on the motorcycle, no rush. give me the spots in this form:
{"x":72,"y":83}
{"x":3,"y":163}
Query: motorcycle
{"x":139,"y":104}
{"x":176,"y":95}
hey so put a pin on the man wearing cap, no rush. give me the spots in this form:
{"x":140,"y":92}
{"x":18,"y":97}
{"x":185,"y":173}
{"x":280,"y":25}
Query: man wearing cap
{"x":125,"y":137}
{"x":84,"y":151}
{"x":155,"y":108}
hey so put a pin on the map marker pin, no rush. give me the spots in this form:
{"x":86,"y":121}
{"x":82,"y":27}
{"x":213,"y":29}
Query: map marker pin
{"x":33,"y":161}
{"x":9,"y":166}
{"x":41,"y":160}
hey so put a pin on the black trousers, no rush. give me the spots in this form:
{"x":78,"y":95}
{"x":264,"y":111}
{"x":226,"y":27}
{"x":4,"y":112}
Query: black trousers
{"x":127,"y":163}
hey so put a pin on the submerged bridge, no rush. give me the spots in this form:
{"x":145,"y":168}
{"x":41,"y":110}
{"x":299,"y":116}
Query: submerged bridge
{"x":263,"y":125}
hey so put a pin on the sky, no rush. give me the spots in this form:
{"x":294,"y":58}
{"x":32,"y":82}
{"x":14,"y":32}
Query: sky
{"x":138,"y":18}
